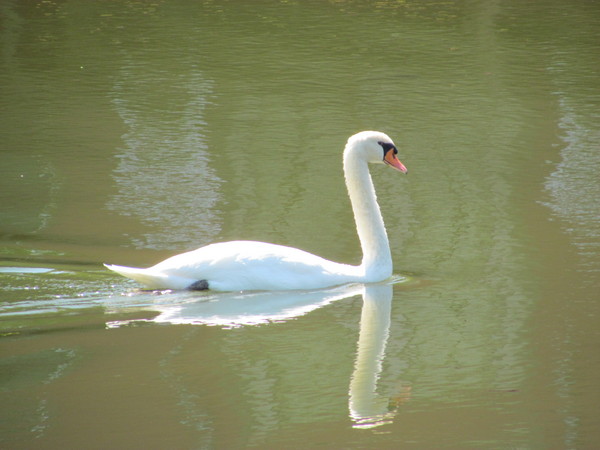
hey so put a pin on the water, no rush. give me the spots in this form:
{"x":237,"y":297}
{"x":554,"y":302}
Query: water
{"x":134,"y":131}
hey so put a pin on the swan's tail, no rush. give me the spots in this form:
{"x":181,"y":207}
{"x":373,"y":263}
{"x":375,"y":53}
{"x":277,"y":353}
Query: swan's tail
{"x":149,"y":278}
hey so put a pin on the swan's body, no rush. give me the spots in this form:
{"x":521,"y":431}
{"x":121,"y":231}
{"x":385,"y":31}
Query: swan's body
{"x":250,"y":265}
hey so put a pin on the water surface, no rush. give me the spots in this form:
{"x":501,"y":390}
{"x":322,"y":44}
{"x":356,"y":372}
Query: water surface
{"x":134,"y":131}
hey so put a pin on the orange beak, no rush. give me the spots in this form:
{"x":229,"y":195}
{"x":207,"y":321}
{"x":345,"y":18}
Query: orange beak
{"x":391,"y":159}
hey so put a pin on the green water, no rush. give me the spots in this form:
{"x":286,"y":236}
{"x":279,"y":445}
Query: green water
{"x":132,"y":131}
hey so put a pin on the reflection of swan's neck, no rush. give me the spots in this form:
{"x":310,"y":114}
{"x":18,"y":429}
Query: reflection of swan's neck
{"x":377,"y":259}
{"x":367,"y":408}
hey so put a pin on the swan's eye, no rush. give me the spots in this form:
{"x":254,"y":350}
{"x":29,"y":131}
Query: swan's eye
{"x":387,"y":147}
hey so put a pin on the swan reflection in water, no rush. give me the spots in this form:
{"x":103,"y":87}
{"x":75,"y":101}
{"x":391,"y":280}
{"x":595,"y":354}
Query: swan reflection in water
{"x":367,"y":408}
{"x":253,"y":308}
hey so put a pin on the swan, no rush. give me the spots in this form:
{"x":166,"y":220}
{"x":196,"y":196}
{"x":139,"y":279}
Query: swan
{"x":251,"y":265}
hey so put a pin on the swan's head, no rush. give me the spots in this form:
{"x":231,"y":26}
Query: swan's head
{"x":376,"y":148}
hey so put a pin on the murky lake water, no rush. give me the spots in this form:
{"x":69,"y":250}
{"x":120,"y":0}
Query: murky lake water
{"x":131,"y":131}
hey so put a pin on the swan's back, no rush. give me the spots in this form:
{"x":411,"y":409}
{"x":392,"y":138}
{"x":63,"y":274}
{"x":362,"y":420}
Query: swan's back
{"x":243,"y":265}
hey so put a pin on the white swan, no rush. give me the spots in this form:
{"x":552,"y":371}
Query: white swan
{"x":250,"y":265}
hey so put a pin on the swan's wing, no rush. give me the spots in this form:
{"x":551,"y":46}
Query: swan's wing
{"x":251,"y":265}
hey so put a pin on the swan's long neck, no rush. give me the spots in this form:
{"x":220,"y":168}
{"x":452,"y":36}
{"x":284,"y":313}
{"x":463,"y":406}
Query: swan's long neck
{"x":377,"y":259}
